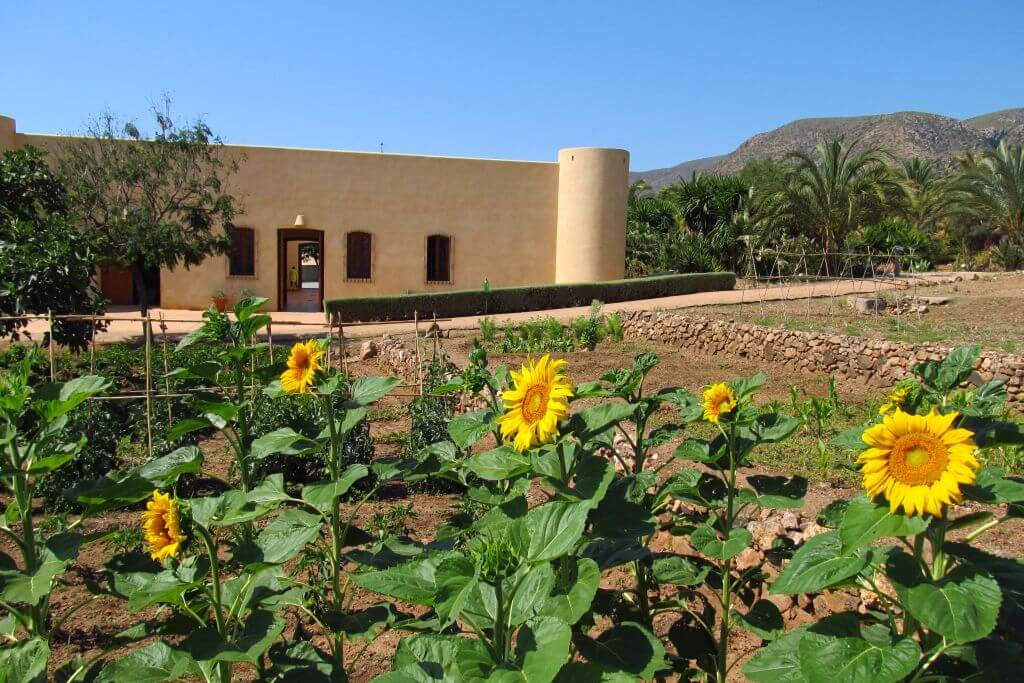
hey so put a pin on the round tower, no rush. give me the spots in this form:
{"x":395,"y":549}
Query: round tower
{"x":6,"y":133}
{"x":590,"y":243}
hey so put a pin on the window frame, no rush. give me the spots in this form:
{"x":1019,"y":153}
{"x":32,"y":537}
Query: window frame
{"x":230,"y":256}
{"x":450,"y":241}
{"x":370,"y":256}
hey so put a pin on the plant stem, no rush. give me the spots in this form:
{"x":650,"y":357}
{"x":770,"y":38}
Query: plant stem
{"x":336,"y":534}
{"x":223,"y":668}
{"x":499,"y":625}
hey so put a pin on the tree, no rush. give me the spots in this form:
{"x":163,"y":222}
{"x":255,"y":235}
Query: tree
{"x":150,"y":203}
{"x":828,"y":195}
{"x":651,"y":229}
{"x":926,"y":197}
{"x":994,"y":183}
{"x":45,"y":264}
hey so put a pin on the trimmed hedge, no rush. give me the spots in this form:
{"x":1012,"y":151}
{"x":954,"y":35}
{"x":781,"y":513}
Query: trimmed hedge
{"x":515,"y":299}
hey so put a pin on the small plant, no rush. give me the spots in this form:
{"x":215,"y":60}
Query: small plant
{"x":393,"y":522}
{"x":588,"y":331}
{"x":126,"y":540}
{"x":612,"y":328}
{"x":488,"y":330}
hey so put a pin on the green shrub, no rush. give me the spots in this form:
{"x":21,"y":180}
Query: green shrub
{"x":488,"y":330}
{"x":516,"y":299}
{"x":612,"y":327}
{"x":1008,"y":253}
{"x":587,"y":330}
{"x":536,"y":336}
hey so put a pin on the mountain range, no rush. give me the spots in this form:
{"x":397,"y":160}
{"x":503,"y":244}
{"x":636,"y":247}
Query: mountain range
{"x":905,"y":134}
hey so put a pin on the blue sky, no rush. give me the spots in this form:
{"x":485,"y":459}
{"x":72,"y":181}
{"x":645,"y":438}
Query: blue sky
{"x":669,"y":81}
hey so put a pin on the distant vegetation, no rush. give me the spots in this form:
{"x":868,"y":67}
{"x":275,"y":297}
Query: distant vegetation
{"x":846,"y":196}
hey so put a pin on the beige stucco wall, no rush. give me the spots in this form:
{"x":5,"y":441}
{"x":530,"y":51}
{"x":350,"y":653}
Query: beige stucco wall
{"x":504,"y":218}
{"x":7,"y":133}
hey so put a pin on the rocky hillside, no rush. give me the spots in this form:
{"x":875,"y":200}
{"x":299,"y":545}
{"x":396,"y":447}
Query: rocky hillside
{"x":905,"y":134}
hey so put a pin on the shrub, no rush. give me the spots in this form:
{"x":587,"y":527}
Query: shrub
{"x":488,"y":330}
{"x":613,"y":329}
{"x":587,"y":330}
{"x":1008,"y":253}
{"x":515,"y":299}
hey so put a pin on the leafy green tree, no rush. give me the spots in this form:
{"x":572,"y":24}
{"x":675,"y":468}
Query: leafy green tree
{"x":829,"y":194}
{"x":151,"y":202}
{"x":927,"y":198}
{"x":652,"y":231}
{"x":45,"y":264}
{"x":995,"y":186}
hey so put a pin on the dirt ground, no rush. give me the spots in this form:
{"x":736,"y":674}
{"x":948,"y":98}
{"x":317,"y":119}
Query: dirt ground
{"x":987,"y":311}
{"x":89,"y":628}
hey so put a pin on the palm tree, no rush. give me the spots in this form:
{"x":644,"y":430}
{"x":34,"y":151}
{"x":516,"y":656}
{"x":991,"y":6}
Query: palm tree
{"x":926,"y":197}
{"x":829,"y":195}
{"x":652,"y":225}
{"x":994,"y":183}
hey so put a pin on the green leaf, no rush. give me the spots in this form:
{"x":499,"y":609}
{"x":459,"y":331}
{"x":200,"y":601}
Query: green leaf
{"x":542,"y":648}
{"x":551,"y":530}
{"x":627,"y":647}
{"x":992,"y":486}
{"x":287,"y":534}
{"x":591,"y":479}
{"x":763,"y":619}
{"x":592,"y":421}
{"x":51,"y":400}
{"x":772,"y":428}
{"x":779,"y":492}
{"x":778,"y":662}
{"x":413,"y":581}
{"x":366,"y":390}
{"x":866,"y":521}
{"x":19,"y":587}
{"x":24,"y":661}
{"x":678,"y":570}
{"x":818,"y":564}
{"x":261,"y":629}
{"x":838,"y":648}
{"x":322,"y":495}
{"x":706,"y":541}
{"x":956,"y":367}
{"x":694,"y":450}
{"x":236,"y":506}
{"x":187,"y":426}
{"x":368,"y":623}
{"x":455,"y":578}
{"x":153,"y":663}
{"x":747,"y":385}
{"x":852,"y":439}
{"x":440,"y":658}
{"x":285,"y":440}
{"x":572,"y":595}
{"x":468,"y":428}
{"x":962,"y":606}
{"x":498,"y":464}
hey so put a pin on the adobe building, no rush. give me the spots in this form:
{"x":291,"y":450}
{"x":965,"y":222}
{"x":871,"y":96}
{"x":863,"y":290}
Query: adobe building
{"x":324,"y":224}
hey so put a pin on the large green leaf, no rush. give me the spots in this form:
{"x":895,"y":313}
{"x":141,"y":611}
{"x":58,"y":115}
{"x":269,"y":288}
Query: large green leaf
{"x":287,"y":534}
{"x":866,"y":521}
{"x":498,"y":464}
{"x":413,"y":581}
{"x":628,"y":648}
{"x":573,"y":592}
{"x":237,"y":507}
{"x":20,"y":587}
{"x":366,"y":390}
{"x":152,"y":663}
{"x":24,"y":661}
{"x":778,"y":662}
{"x":468,"y":428}
{"x":285,"y":440}
{"x":542,"y":648}
{"x":838,"y":648}
{"x":260,"y":630}
{"x":590,"y":422}
{"x":818,"y":564}
{"x":852,"y":439}
{"x":51,"y":400}
{"x":108,"y":493}
{"x":678,"y":570}
{"x":763,"y":619}
{"x":456,"y":579}
{"x":956,"y":367}
{"x":551,"y":530}
{"x":779,"y":492}
{"x":440,"y":658}
{"x":322,"y":495}
{"x":962,"y":606}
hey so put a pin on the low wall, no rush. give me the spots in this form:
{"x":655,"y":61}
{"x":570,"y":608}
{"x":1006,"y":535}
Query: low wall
{"x":877,"y":362}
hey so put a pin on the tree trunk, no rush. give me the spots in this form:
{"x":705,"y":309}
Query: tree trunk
{"x":140,"y":289}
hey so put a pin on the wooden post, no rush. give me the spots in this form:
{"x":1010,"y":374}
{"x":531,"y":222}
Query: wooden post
{"x":419,"y":365}
{"x":341,"y":347}
{"x":435,"y":333}
{"x":167,"y":367}
{"x":50,"y":345}
{"x":147,"y":336}
{"x":92,"y":346}
{"x":330,"y":343}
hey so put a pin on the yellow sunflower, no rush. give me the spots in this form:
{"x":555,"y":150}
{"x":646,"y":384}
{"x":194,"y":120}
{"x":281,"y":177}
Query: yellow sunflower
{"x":896,"y":400}
{"x":719,"y":399}
{"x":918,"y":462}
{"x":303,"y":364}
{"x":535,"y":403}
{"x":162,"y":526}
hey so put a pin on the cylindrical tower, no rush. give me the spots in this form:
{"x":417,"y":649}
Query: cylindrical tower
{"x":7,"y":131}
{"x":590,"y":244}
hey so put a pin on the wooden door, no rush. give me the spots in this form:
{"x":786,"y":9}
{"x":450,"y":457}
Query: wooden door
{"x":116,"y":284}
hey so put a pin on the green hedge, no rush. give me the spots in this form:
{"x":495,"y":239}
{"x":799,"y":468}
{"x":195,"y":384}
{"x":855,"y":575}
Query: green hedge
{"x":516,"y":299}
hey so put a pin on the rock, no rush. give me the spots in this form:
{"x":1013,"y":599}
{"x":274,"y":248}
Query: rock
{"x":783,"y":602}
{"x":803,"y":601}
{"x":867,"y":304}
{"x":935,"y":300}
{"x":790,"y":520}
{"x":367,"y":350}
{"x":749,"y":558}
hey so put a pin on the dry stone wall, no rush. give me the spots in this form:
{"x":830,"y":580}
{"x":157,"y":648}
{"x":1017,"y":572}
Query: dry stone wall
{"x":877,"y":362}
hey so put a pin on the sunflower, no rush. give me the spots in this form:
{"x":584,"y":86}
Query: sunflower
{"x":918,"y":462}
{"x":162,"y":526}
{"x":896,"y":400}
{"x":303,"y":364}
{"x":718,"y":400}
{"x":535,"y":404}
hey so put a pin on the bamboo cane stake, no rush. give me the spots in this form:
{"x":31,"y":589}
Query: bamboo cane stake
{"x":50,"y":345}
{"x":419,"y":365}
{"x":343,"y":347}
{"x":147,"y":333}
{"x":92,"y":347}
{"x":167,"y":368}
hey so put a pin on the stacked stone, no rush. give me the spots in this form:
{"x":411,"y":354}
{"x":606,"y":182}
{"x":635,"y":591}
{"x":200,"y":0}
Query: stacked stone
{"x":877,"y":362}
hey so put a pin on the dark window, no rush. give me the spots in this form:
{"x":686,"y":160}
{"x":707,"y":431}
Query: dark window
{"x":358,"y":255}
{"x":243,"y":252}
{"x":439,"y":258}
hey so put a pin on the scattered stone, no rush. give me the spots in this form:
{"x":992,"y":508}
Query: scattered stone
{"x":790,"y":520}
{"x":867,"y":304}
{"x":749,"y":558}
{"x":783,"y":602}
{"x":367,"y":350}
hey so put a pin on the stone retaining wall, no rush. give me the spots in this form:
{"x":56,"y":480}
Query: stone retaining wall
{"x":877,"y":362}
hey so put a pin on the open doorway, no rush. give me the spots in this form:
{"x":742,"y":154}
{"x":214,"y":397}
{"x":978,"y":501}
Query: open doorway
{"x":300,"y":269}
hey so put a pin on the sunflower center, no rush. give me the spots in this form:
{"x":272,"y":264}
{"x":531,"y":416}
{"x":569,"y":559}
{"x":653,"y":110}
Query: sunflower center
{"x":535,"y":403}
{"x":301,"y":360}
{"x":918,"y":459}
